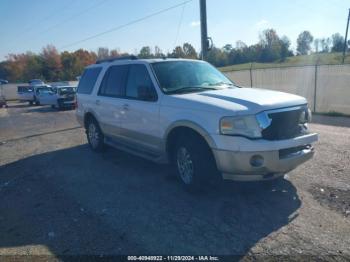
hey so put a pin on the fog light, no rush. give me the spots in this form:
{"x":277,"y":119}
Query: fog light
{"x":256,"y":161}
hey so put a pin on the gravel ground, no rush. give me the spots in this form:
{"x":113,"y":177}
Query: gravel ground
{"x":59,"y":198}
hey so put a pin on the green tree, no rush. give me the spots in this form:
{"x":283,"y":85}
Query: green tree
{"x":337,"y":43}
{"x":304,"y":42}
{"x":271,"y":46}
{"x":145,"y":52}
{"x":285,"y":44}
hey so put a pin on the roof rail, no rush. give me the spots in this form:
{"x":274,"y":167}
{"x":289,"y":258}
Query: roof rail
{"x":112,"y":59}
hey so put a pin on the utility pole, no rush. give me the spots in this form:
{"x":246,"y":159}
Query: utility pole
{"x":206,"y":42}
{"x":346,"y":37}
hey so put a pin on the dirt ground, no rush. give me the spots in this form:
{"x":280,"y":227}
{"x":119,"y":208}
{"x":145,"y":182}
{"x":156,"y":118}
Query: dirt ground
{"x":59,"y":198}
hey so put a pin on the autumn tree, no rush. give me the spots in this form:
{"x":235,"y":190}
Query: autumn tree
{"x":52,"y":65}
{"x":189,"y":51}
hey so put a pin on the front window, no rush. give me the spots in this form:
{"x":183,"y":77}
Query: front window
{"x":189,"y":76}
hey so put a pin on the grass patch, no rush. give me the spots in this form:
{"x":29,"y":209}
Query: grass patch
{"x":313,"y":59}
{"x":332,"y":113}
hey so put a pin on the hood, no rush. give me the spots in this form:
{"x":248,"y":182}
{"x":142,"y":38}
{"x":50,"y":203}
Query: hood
{"x":239,"y":100}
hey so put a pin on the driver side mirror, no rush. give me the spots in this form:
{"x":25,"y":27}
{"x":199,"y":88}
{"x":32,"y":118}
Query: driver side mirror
{"x":146,"y":93}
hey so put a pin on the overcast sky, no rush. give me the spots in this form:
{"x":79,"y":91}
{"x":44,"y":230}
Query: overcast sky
{"x":28,"y":25}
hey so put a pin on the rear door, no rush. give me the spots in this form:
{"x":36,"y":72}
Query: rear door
{"x":140,"y":110}
{"x":108,"y":102}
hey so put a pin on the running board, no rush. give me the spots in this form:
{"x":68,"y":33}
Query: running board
{"x":129,"y":149}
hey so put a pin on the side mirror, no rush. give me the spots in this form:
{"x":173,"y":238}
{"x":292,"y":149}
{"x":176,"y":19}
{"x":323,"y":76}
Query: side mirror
{"x":146,"y":93}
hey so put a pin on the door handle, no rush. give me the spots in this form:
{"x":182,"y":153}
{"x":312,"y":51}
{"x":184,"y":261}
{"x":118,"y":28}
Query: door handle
{"x":98,"y":102}
{"x":126,"y":107}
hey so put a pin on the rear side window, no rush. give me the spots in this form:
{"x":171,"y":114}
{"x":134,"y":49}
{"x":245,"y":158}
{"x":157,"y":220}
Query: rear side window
{"x":113,"y":83}
{"x":88,"y":80}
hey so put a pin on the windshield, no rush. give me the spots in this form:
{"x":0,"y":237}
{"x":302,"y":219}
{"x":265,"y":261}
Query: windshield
{"x":66,"y":90}
{"x":189,"y":76}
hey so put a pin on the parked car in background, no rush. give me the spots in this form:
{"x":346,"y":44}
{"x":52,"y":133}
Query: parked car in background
{"x":58,"y":97}
{"x":187,"y":113}
{"x":30,"y":93}
{"x":36,"y":82}
{"x":2,"y":96}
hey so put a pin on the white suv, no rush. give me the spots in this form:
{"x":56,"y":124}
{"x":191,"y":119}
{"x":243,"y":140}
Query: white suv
{"x":188,"y":113}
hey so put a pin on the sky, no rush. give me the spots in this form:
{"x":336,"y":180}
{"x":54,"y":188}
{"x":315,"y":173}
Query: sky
{"x":29,"y":25}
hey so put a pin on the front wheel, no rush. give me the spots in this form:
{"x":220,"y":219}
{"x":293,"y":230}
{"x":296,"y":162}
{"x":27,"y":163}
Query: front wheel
{"x":193,"y":162}
{"x":95,"y":136}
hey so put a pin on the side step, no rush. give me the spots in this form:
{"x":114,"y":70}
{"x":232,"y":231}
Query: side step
{"x":132,"y":150}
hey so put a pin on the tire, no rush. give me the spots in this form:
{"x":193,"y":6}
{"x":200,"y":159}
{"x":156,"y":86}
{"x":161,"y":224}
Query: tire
{"x":53,"y":106}
{"x":30,"y":103}
{"x":193,"y":162}
{"x":37,"y":103}
{"x":94,"y":135}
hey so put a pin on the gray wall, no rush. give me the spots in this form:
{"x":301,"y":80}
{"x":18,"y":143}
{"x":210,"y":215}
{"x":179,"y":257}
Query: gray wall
{"x":326,"y":87}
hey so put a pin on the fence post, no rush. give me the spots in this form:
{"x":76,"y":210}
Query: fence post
{"x":315,"y":88}
{"x":251,"y":77}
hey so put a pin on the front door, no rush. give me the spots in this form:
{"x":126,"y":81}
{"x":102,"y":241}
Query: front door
{"x":140,"y":110}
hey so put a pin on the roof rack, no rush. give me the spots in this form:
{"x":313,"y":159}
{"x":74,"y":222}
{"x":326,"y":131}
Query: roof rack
{"x":112,"y":59}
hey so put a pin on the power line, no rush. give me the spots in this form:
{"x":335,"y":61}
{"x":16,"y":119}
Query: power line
{"x":180,"y":23}
{"x":127,"y":24}
{"x":74,"y":16}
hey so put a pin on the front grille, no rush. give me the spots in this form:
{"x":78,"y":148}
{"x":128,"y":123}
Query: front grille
{"x":284,"y":125}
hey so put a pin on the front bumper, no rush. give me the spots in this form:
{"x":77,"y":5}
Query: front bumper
{"x":278,"y":158}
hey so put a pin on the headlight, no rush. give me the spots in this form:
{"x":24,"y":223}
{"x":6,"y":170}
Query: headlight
{"x":240,"y":125}
{"x":305,"y":116}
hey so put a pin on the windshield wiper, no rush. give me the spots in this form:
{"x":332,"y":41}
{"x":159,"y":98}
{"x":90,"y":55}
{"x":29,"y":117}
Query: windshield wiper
{"x":221,"y":83}
{"x":190,"y":89}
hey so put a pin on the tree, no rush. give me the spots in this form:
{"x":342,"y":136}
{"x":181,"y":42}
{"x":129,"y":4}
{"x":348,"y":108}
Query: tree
{"x":325,"y":43}
{"x":217,"y":57}
{"x":102,"y":53}
{"x":52,"y":65}
{"x":189,"y":51}
{"x":145,"y":52}
{"x":317,"y":42}
{"x":177,"y":52}
{"x":114,"y":53}
{"x":271,"y":46}
{"x":285,"y":44}
{"x":158,"y":52}
{"x":303,"y":42}
{"x":227,"y":48}
{"x":337,"y":43}
{"x":240,"y":45}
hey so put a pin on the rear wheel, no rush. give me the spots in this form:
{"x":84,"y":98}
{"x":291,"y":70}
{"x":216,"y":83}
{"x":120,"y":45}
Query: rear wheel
{"x":193,"y":162}
{"x":94,"y":135}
